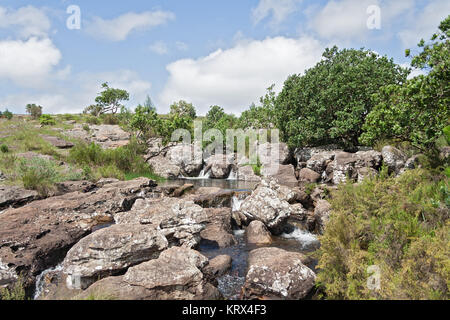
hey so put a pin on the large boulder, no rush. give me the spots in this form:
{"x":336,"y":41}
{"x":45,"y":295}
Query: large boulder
{"x":319,"y":161}
{"x":188,"y":157}
{"x":246,"y":173}
{"x":109,"y":251}
{"x":369,"y":159}
{"x":309,"y":176}
{"x":57,"y":142}
{"x":258,"y":234}
{"x":277,"y":274}
{"x":343,"y":167}
{"x":220,"y":199}
{"x":11,"y":196}
{"x":218,"y":266}
{"x":218,"y":230}
{"x":220,"y":165}
{"x":38,"y":235}
{"x":176,"y":275}
{"x":274,"y":153}
{"x":179,"y":220}
{"x":393,"y":158}
{"x":267,"y":205}
{"x":322,"y":214}
{"x":284,"y":174}
{"x":164,"y":168}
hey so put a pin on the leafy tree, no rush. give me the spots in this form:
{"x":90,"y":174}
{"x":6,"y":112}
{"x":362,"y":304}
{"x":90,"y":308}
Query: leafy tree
{"x":6,"y":114}
{"x":149,"y":104}
{"x":34,"y":110}
{"x":183,"y":109}
{"x":418,"y":111}
{"x":263,"y":116}
{"x":109,"y":100}
{"x":145,"y":121}
{"x":330,"y":102}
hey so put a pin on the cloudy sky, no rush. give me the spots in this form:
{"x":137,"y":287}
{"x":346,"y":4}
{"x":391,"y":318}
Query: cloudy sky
{"x":206,"y":52}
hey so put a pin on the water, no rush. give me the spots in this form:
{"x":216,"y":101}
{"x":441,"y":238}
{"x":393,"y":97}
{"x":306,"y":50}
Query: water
{"x":40,"y":280}
{"x":210,"y":183}
{"x":230,"y":284}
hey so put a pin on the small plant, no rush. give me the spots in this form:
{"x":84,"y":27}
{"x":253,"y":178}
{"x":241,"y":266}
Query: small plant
{"x":4,"y":148}
{"x":16,"y":293}
{"x":38,"y":174}
{"x":86,"y":128}
{"x":7,"y":114}
{"x":47,"y":120}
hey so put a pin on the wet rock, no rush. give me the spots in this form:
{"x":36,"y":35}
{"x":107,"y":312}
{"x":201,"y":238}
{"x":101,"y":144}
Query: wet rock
{"x":12,"y":196}
{"x":220,"y":165}
{"x":393,"y":158}
{"x":179,"y":220}
{"x":38,"y":235}
{"x":180,"y":191}
{"x":218,"y":230}
{"x":111,"y":250}
{"x":258,"y":234}
{"x":277,"y":274}
{"x":218,"y":266}
{"x":176,"y":275}
{"x":219,"y":199}
{"x":308,"y":175}
{"x":267,"y":205}
{"x":188,"y":157}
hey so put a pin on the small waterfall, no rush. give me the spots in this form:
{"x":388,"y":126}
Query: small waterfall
{"x":204,"y":175}
{"x":236,"y":203}
{"x":233,"y":175}
{"x":306,"y":239}
{"x":41,"y":279}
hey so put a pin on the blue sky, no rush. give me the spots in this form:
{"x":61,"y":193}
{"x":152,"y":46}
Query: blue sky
{"x":206,"y":52}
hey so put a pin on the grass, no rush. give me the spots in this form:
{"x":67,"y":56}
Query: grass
{"x":149,"y":175}
{"x":398,"y":224}
{"x":16,"y":293}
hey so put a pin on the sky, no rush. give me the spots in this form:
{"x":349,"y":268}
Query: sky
{"x":206,"y":52}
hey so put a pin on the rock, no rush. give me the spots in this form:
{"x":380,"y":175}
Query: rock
{"x":322,"y":214}
{"x":218,"y":266}
{"x":284,"y":174}
{"x":109,"y":251}
{"x":218,"y":230}
{"x":180,"y":191}
{"x":274,"y":153}
{"x":369,"y":159}
{"x":258,"y":234}
{"x":57,"y":142}
{"x":219,"y":199}
{"x":444,"y":153}
{"x":366,"y":172}
{"x":176,"y":275}
{"x":220,"y":165}
{"x":343,"y":167}
{"x":156,"y":147}
{"x":74,"y":186}
{"x":393,"y":158}
{"x":302,"y":155}
{"x":308,"y":175}
{"x":38,"y":235}
{"x":188,"y":157}
{"x":12,"y":196}
{"x":179,"y":220}
{"x":104,"y":181}
{"x":164,"y":168}
{"x":277,"y":274}
{"x":267,"y":205}
{"x":2,"y":176}
{"x":246,"y":173}
{"x":319,"y":161}
{"x":413,"y":162}
{"x":107,"y":136}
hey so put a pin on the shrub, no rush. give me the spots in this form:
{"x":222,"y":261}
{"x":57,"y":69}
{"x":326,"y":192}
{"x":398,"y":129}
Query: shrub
{"x":47,"y":120}
{"x":38,"y":174}
{"x":16,"y":293}
{"x":111,"y":119}
{"x":4,"y":148}
{"x":92,"y":120}
{"x":7,"y":114}
{"x":399,"y":224}
{"x":34,"y":110}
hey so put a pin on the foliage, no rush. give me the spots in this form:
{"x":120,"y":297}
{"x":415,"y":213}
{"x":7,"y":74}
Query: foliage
{"x":149,"y":104}
{"x":145,"y":122}
{"x":6,"y":114}
{"x":4,"y":148}
{"x":109,"y":100}
{"x":183,"y":109}
{"x":328,"y":104}
{"x":34,"y":110}
{"x":398,"y":224}
{"x":261,"y":117}
{"x":47,"y":120}
{"x":16,"y":293}
{"x":216,"y":118}
{"x":418,"y":110}
{"x":38,"y":174}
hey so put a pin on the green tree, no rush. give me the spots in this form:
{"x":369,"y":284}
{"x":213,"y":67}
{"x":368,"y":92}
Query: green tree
{"x":108,"y":101}
{"x":330,"y":102}
{"x":263,"y":116}
{"x":145,"y":121}
{"x":417,"y":111}
{"x":183,"y":109}
{"x":6,"y":114}
{"x":149,"y":103}
{"x":34,"y":110}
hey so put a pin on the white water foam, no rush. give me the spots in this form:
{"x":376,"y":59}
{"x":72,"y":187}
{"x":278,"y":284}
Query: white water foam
{"x":306,"y":239}
{"x":236,"y":203}
{"x":202,"y":176}
{"x":40,"y":280}
{"x":233,"y":175}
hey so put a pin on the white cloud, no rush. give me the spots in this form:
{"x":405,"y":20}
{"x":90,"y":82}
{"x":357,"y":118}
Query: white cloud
{"x":425,"y":22}
{"x":79,"y":91}
{"x":278,"y":9}
{"x":119,"y":28}
{"x":181,"y":46}
{"x":236,"y":77}
{"x":28,"y":63}
{"x":159,"y":47}
{"x":26,"y":21}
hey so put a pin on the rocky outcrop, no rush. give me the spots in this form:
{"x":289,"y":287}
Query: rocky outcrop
{"x":267,"y":205}
{"x":176,"y":275}
{"x":220,"y":199}
{"x":309,"y":176}
{"x":58,"y":142}
{"x":109,"y":251}
{"x":107,"y":136}
{"x":218,"y":230}
{"x":180,"y":221}
{"x":38,"y":235}
{"x":258,"y":234}
{"x":393,"y":158}
{"x":220,"y":165}
{"x":284,"y":174}
{"x":274,"y":153}
{"x":164,"y":168}
{"x":322,"y":214}
{"x":246,"y":173}
{"x":277,"y":274}
{"x":188,"y":157}
{"x":74,"y":186}
{"x":11,"y":196}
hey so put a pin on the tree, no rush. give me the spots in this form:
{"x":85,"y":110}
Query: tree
{"x":213,"y":116}
{"x":263,"y":116}
{"x":329,"y":103}
{"x":149,"y":104}
{"x":6,"y":114}
{"x":183,"y":109}
{"x":34,"y":110}
{"x":145,"y":121}
{"x":109,"y":100}
{"x":417,"y":111}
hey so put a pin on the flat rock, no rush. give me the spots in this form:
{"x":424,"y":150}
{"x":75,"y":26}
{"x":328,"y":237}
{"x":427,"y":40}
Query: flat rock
{"x":12,"y":196}
{"x":58,"y":142}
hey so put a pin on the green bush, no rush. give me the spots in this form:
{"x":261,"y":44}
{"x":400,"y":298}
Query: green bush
{"x":7,"y":114}
{"x":38,"y":174}
{"x":111,"y":119}
{"x":398,"y":224}
{"x":16,"y":293}
{"x":34,"y":110}
{"x":47,"y":120}
{"x":4,"y":148}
